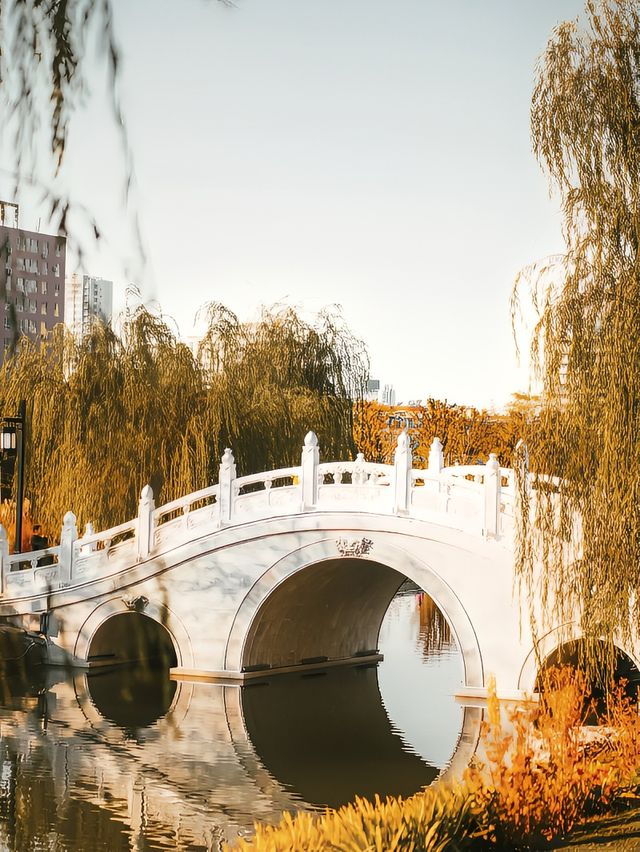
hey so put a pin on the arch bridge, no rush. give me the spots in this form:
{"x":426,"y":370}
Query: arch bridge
{"x":286,"y":570}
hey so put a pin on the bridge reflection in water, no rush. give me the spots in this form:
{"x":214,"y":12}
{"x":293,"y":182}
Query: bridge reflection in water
{"x":328,"y":736}
{"x":129,"y":759}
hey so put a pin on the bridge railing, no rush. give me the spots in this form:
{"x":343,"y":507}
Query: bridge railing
{"x":179,"y":517}
{"x":478,"y":499}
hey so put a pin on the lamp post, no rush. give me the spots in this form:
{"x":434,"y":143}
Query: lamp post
{"x":12,"y":446}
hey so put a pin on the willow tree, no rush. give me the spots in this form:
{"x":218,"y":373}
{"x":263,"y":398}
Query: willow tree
{"x":271,"y":381}
{"x":585,"y":527}
{"x":114,"y":412}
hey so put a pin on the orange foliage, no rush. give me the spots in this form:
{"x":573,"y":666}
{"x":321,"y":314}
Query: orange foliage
{"x":542,"y":774}
{"x":467,"y":434}
{"x":8,"y":521}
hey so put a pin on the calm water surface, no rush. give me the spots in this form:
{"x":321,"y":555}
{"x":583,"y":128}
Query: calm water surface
{"x":128,"y":760}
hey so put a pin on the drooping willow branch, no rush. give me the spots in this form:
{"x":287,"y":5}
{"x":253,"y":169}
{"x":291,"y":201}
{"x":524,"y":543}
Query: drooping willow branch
{"x":580,"y":546}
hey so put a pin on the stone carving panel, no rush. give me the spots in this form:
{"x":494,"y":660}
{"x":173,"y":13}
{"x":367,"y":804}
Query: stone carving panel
{"x":354,"y":547}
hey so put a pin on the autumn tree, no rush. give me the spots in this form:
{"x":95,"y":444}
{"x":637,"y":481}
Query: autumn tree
{"x":467,"y":434}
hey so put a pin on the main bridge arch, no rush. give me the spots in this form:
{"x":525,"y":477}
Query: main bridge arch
{"x":326,"y":601}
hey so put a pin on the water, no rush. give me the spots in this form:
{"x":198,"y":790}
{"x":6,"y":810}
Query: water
{"x":129,"y":760}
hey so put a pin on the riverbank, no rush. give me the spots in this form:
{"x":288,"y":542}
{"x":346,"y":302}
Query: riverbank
{"x":536,"y":781}
{"x":617,"y":833}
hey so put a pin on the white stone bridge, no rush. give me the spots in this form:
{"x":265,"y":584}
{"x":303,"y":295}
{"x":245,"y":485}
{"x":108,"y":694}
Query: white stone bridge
{"x":288,"y":569}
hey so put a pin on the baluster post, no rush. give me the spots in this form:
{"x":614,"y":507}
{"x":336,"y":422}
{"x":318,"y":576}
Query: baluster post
{"x":145,"y":526}
{"x":403,"y":463}
{"x":309,"y":472}
{"x":88,"y":531}
{"x":226,"y":480}
{"x":492,"y":487}
{"x":436,"y":457}
{"x":4,"y":558}
{"x":68,"y":536}
{"x":359,"y":476}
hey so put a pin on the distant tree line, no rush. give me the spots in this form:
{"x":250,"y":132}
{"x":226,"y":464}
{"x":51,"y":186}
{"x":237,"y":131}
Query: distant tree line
{"x":467,"y":434}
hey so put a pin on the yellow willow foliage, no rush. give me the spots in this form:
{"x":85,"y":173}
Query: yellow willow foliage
{"x":585,"y":122}
{"x":113,"y":413}
{"x":540,"y":775}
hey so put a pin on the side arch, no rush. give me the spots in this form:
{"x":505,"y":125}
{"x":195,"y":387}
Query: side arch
{"x":158,"y":612}
{"x":551,"y":642}
{"x":380,"y":552}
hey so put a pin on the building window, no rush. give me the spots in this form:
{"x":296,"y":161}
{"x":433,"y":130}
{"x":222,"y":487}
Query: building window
{"x":32,"y":327}
{"x":56,"y":289}
{"x":56,"y":270}
{"x":45,"y":250}
{"x":7,"y":285}
{"x":44,"y":268}
{"x":31,"y":285}
{"x":43,"y":329}
{"x":7,"y":322}
{"x":20,"y":264}
{"x":56,"y":310}
{"x":19,"y":306}
{"x":58,"y":249}
{"x":43,"y":288}
{"x":32,"y":306}
{"x":43,"y":308}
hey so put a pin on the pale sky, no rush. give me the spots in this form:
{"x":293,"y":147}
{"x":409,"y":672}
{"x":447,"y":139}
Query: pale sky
{"x":361,"y":152}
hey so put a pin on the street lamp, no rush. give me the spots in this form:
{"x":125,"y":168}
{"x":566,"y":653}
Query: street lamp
{"x":12,"y":448}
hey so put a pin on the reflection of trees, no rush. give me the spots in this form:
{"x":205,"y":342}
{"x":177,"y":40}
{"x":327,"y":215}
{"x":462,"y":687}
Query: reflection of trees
{"x":435,"y":633}
{"x":30,"y":813}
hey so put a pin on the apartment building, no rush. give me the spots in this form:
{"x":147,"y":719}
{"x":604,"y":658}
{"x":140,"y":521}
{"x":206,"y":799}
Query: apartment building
{"x":87,"y":299}
{"x":32,"y":272}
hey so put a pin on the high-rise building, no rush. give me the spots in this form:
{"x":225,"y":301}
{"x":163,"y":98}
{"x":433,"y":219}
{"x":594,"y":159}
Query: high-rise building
{"x":87,"y":299}
{"x":32,"y":270}
{"x":387,"y":396}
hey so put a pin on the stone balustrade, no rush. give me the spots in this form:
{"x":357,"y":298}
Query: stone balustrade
{"x":476,"y":499}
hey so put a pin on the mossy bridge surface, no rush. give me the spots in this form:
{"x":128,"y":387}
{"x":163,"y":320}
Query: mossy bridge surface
{"x":289,"y":569}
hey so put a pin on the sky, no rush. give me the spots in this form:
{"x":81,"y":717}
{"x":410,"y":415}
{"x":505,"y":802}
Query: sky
{"x":370,"y":154}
